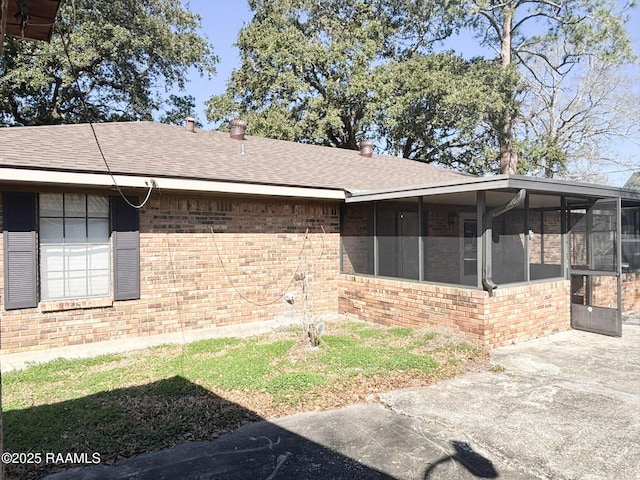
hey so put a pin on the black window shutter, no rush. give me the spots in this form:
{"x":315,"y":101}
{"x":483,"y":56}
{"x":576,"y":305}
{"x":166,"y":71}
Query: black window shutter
{"x":20,"y":250}
{"x":126,"y":250}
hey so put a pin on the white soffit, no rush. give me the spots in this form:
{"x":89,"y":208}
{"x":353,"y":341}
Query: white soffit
{"x":179,"y":184}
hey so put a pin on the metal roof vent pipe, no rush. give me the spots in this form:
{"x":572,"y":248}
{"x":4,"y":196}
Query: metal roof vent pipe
{"x":366,"y":148}
{"x":238,"y":127}
{"x":190,"y":124}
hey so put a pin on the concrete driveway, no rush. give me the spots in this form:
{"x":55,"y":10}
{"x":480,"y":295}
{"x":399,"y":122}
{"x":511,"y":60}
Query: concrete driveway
{"x":565,"y":406}
{"x":562,"y":407}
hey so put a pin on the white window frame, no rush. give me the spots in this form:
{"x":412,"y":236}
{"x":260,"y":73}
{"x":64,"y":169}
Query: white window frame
{"x":72,"y":260}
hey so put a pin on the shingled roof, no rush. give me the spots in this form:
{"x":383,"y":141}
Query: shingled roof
{"x":164,"y":151}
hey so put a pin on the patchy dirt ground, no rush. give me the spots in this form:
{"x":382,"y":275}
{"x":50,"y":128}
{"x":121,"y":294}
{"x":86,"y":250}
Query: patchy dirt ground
{"x":452,"y":362}
{"x":161,"y":412}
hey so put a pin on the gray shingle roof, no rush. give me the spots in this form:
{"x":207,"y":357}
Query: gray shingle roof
{"x":159,"y":150}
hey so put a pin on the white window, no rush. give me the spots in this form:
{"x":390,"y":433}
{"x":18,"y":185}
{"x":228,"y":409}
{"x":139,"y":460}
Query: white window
{"x":75,"y":252}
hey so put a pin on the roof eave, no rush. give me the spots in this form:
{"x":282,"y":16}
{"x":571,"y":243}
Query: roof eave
{"x":41,"y":18}
{"x":539,"y":185}
{"x":76,"y":179}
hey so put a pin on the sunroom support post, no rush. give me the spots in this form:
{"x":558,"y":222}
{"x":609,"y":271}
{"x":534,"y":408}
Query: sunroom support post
{"x":588,"y":297}
{"x":341,"y":244}
{"x":542,"y":245}
{"x":619,"y":255}
{"x":376,"y":260}
{"x":564,"y":235}
{"x":481,"y":207}
{"x":527,"y":229}
{"x":420,"y":240}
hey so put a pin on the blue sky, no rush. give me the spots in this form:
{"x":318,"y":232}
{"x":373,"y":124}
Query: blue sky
{"x":221,"y":22}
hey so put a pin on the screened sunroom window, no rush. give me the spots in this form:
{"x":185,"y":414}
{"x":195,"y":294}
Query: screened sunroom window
{"x":631,"y":239}
{"x":75,"y":251}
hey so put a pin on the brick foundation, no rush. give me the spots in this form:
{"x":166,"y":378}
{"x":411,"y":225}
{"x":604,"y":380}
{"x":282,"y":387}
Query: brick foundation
{"x":184,"y":285}
{"x":526,"y":311}
{"x":511,"y":314}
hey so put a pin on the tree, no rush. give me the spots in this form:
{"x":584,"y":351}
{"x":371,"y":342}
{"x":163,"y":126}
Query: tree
{"x":338,"y":71}
{"x":440,"y":108}
{"x":525,"y":33}
{"x":306,"y":70}
{"x":126,"y":55}
{"x":572,"y":122}
{"x":334,"y":72}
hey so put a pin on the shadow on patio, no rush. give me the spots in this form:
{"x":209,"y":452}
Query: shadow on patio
{"x":359,"y":442}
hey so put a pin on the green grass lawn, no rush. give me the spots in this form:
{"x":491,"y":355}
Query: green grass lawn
{"x":123,"y":405}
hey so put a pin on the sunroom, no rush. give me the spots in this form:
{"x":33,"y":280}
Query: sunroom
{"x":499,"y":258}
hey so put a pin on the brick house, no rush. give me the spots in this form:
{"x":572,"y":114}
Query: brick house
{"x":228,"y":224}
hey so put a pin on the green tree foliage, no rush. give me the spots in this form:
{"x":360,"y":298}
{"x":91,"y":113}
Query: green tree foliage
{"x":126,"y":54}
{"x":440,"y":108}
{"x":306,"y":71}
{"x":337,"y":71}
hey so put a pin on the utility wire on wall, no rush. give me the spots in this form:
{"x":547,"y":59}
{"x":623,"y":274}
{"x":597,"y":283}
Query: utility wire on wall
{"x":294,"y":277}
{"x":151,"y":184}
{"x":322,"y":247}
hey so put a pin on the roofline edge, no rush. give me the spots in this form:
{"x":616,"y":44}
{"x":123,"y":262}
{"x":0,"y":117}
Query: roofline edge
{"x":16,"y":175}
{"x":536,"y":184}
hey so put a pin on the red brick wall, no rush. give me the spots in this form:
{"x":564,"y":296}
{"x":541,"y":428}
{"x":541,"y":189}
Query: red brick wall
{"x":526,"y":311}
{"x":262,"y":244}
{"x":606,"y":289}
{"x":631,"y":293}
{"x":510,"y":314}
{"x":551,"y":239}
{"x":412,"y":304}
{"x":183,"y":283}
